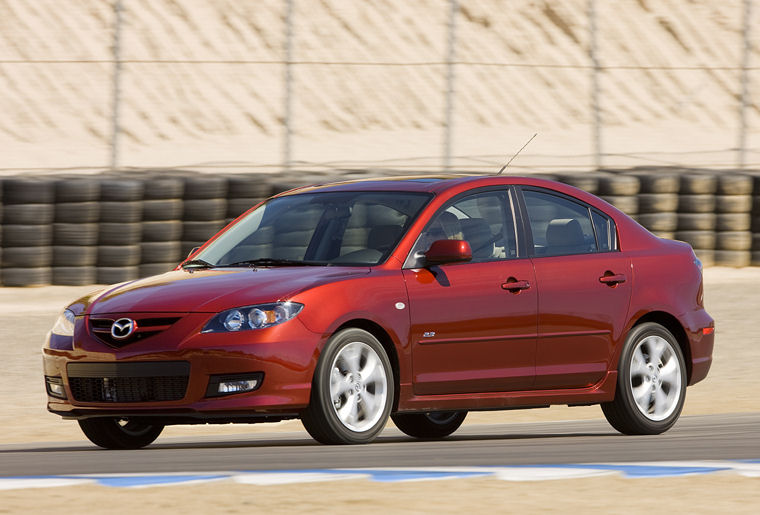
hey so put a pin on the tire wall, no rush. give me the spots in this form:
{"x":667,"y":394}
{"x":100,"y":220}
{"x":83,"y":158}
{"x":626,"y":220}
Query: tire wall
{"x":114,"y":227}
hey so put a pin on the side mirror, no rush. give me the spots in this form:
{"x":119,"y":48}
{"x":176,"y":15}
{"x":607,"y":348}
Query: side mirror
{"x":448,"y":251}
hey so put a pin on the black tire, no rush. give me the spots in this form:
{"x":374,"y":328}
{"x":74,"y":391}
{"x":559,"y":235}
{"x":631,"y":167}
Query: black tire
{"x":658,"y":202}
{"x":27,"y":235}
{"x":204,"y":209}
{"x":74,"y":255}
{"x":114,"y":189}
{"x":149,"y":269}
{"x":432,"y":425}
{"x":238,"y":206}
{"x":321,"y":418}
{"x":77,"y":212}
{"x":200,"y":231}
{"x":706,"y":256}
{"x":121,"y":212}
{"x":28,"y":214}
{"x":248,"y":186}
{"x":733,"y":240}
{"x":628,"y":204}
{"x":661,"y":181}
{"x":205,"y":187}
{"x":119,"y":234}
{"x":76,"y":190}
{"x":733,"y":258}
{"x":74,"y":275}
{"x":696,"y":221}
{"x":733,"y":222}
{"x":114,"y":433}
{"x":633,"y":417}
{"x":75,"y":234}
{"x":27,"y":257}
{"x":162,"y":210}
{"x":584,"y":180}
{"x":168,"y":230}
{"x":755,"y":241}
{"x":733,"y":203}
{"x":734,"y":183}
{"x":116,"y":274}
{"x":158,"y":187}
{"x":698,"y":184}
{"x":697,"y":239}
{"x":26,"y":276}
{"x":658,"y":222}
{"x":696,"y":203}
{"x":28,"y":190}
{"x":160,"y":252}
{"x":118,"y":255}
{"x":618,"y":185}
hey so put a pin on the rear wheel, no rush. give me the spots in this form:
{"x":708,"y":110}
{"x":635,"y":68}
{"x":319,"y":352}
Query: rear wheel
{"x":120,"y":433}
{"x":434,"y":424}
{"x":352,"y":390}
{"x":651,"y":383}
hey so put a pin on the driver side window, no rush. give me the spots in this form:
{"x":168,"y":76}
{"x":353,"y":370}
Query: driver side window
{"x":483,"y":220}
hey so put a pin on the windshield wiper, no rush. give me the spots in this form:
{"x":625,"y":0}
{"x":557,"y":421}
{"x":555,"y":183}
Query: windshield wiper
{"x":268,"y":262}
{"x":197,"y":263}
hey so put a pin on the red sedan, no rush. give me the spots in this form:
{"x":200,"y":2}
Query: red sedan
{"x":418,"y":299}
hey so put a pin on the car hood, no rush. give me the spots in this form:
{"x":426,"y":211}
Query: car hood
{"x":211,"y":291}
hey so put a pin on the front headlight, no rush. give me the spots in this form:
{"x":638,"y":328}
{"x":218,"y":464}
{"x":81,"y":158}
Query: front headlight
{"x":64,"y":326}
{"x":252,"y":317}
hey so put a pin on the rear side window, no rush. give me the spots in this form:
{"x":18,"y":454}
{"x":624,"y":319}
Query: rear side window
{"x":606,"y":234}
{"x":561,"y":226}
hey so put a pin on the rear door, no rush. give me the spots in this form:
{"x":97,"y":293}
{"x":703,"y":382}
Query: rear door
{"x":585,"y":289}
{"x":473,"y":324}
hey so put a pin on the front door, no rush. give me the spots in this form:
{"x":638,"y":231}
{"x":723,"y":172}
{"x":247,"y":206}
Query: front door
{"x":473,"y":324}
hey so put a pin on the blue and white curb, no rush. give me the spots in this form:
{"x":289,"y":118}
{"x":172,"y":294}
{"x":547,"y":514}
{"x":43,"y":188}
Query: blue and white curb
{"x":745,"y":468}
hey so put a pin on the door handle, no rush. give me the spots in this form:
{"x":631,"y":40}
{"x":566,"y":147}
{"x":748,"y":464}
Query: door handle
{"x":514,"y":285}
{"x":611,"y":279}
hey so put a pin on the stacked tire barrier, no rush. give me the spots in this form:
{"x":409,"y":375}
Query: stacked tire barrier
{"x":161,"y":245}
{"x":75,"y":231}
{"x":204,"y":209}
{"x":109,"y":228}
{"x":27,"y":232}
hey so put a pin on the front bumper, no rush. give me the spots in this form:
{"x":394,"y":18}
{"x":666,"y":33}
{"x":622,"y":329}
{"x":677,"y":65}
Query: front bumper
{"x":283,"y":357}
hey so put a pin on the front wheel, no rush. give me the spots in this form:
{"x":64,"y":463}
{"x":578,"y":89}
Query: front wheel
{"x":434,"y":424}
{"x":651,"y":385}
{"x":352,"y":390}
{"x":120,"y":433}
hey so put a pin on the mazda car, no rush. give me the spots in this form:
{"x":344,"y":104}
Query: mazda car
{"x":416,"y":299}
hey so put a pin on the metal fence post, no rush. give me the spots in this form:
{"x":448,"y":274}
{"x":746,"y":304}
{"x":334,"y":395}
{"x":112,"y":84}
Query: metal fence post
{"x":595,"y":70}
{"x":744,"y":99}
{"x":288,"y":101}
{"x":449,"y":109}
{"x":116,"y":85}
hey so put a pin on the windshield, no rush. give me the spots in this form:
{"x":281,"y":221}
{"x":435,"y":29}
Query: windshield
{"x":340,"y":228}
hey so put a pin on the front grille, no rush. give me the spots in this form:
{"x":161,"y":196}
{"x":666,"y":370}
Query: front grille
{"x":128,"y":382}
{"x":128,"y":389}
{"x":146,"y":327}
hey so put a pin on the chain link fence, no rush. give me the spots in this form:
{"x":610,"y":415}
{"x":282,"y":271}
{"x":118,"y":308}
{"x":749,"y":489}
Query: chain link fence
{"x":294,"y":84}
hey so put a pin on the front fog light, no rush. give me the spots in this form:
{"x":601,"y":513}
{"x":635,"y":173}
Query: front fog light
{"x":54,"y":387}
{"x":219,"y":385}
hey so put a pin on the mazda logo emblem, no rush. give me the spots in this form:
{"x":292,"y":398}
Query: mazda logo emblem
{"x":123,"y":328}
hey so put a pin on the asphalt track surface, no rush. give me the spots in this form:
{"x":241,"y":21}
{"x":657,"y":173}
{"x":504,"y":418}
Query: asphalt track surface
{"x":712,"y":437}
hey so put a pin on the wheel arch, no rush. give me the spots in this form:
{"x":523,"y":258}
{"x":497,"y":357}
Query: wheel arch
{"x":672,"y":324}
{"x":389,"y":346}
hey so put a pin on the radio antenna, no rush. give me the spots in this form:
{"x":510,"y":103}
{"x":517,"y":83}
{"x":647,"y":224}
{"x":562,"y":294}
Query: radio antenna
{"x":516,"y":154}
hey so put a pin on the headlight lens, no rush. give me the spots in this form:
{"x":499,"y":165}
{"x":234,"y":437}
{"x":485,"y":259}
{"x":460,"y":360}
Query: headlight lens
{"x":253,"y":317}
{"x":64,"y":326}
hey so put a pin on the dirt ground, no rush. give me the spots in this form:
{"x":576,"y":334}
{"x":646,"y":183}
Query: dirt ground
{"x":732,"y":297}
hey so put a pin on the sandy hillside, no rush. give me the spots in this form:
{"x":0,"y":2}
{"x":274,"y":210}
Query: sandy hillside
{"x":523,"y":69}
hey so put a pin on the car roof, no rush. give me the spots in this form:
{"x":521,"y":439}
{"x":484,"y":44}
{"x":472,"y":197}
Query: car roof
{"x":421,"y":183}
